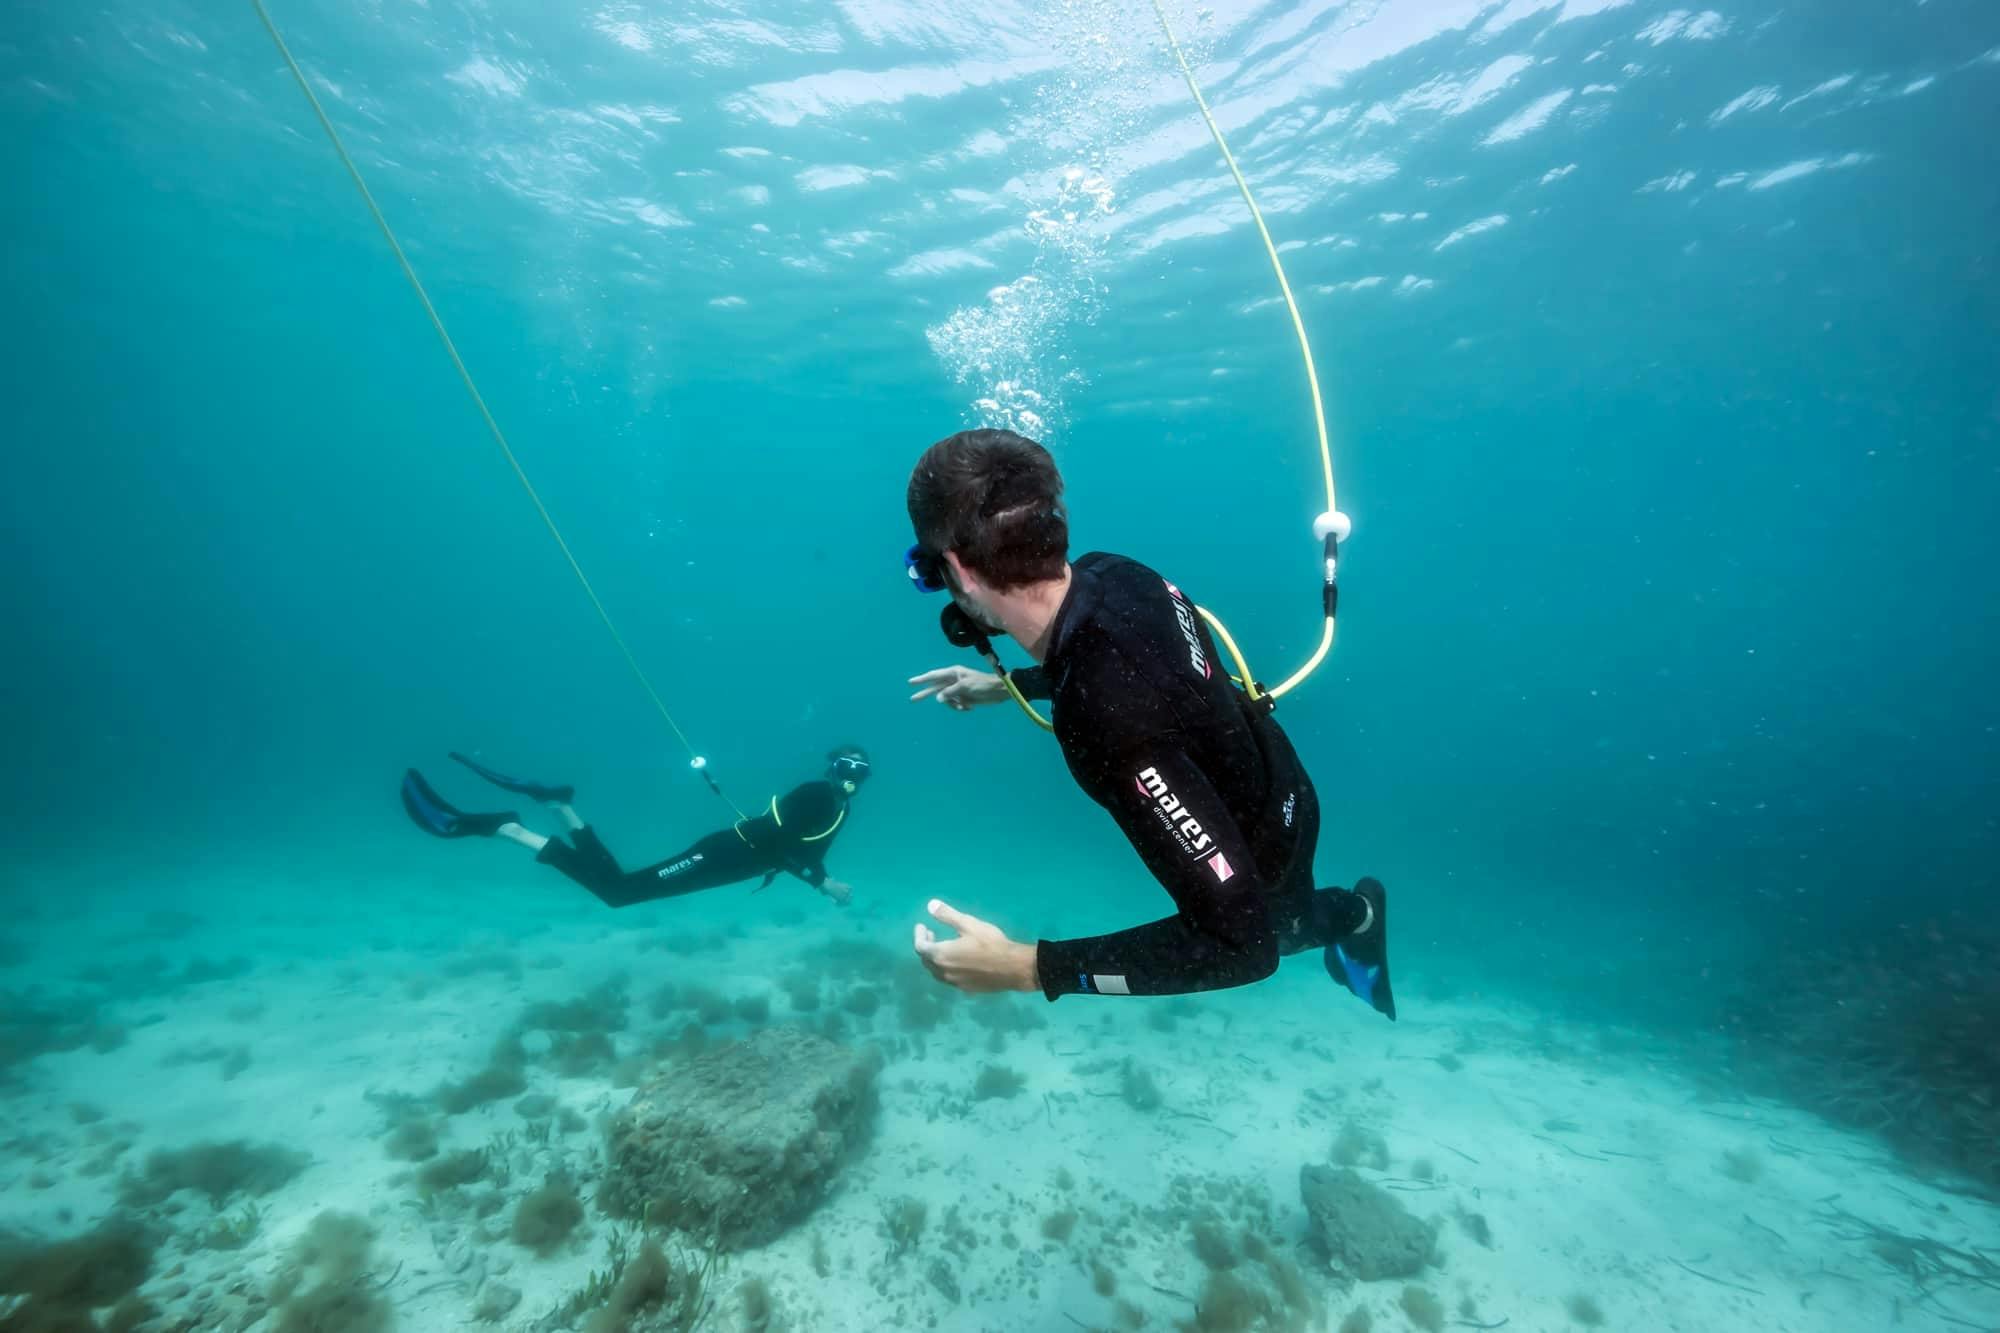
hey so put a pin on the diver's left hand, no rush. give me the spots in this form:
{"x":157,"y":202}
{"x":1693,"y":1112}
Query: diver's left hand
{"x":837,"y":889}
{"x":980,"y":960}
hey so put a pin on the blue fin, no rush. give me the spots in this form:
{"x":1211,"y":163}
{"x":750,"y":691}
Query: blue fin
{"x":1360,"y":961}
{"x":435,"y":815}
{"x":1360,"y":977}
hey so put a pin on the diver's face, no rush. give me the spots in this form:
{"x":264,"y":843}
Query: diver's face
{"x":970,"y":595}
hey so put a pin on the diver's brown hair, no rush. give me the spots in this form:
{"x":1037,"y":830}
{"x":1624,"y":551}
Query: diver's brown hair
{"x":995,"y":498}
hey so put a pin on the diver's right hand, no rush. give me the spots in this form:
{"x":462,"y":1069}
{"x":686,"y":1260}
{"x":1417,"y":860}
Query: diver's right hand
{"x":959,"y":687}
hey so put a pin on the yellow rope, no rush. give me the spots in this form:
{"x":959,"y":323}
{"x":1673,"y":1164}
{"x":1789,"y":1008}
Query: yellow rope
{"x":479,"y":401}
{"x":1270,"y":248}
{"x":1298,"y":325}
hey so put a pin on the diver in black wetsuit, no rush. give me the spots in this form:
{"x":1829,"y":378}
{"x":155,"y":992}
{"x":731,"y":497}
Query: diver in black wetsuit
{"x":1202,"y":780}
{"x":791,"y":837}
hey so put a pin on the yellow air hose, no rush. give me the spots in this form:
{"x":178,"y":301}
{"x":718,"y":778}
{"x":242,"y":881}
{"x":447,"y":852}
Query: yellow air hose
{"x":1331,"y":523}
{"x":695,"y":759}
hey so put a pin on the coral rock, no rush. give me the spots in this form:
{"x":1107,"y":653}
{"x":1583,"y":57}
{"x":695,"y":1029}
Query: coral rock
{"x":1364,"y":1231}
{"x":742,"y":1142}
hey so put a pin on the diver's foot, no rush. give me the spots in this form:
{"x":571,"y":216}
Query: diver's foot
{"x":435,"y":815}
{"x":1360,"y":960}
{"x":534,"y":791}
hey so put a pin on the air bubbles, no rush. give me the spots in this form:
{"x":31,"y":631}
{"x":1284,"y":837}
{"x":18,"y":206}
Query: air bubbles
{"x":1002,"y":346}
{"x":1010,"y":350}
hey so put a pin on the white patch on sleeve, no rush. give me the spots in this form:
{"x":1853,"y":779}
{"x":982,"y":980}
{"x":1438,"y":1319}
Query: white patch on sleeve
{"x":1110,"y":985}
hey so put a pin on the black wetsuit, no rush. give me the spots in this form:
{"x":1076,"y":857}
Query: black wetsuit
{"x":791,"y":837}
{"x":1203,"y":782}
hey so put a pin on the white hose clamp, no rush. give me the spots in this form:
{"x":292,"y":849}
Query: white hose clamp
{"x":1333,"y":524}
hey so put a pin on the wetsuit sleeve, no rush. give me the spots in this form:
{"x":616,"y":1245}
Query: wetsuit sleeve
{"x":1032,"y":682}
{"x":1221,"y":936}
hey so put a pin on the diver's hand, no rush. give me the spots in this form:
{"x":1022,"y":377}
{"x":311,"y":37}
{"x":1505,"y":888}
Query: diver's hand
{"x":980,"y":960}
{"x":837,"y":889}
{"x":959,"y":687}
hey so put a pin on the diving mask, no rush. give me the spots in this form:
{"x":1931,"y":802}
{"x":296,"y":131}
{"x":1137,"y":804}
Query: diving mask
{"x":924,"y":568}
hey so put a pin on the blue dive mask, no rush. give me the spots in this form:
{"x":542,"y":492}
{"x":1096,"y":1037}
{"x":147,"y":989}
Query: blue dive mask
{"x":924,"y":568}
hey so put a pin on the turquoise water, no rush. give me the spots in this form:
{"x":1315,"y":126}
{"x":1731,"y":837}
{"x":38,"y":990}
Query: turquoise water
{"x":1659,"y":360}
